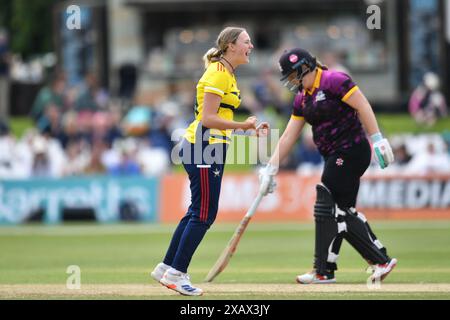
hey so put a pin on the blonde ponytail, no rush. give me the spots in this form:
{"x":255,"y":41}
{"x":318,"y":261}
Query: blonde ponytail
{"x":212,"y":55}
{"x":226,"y":36}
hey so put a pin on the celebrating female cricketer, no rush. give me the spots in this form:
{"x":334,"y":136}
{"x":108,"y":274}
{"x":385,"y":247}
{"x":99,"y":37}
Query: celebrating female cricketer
{"x":337,"y":110}
{"x":203,"y":153}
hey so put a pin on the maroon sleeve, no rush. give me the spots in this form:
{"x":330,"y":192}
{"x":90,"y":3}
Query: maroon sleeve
{"x":297,"y":110}
{"x":342,"y":85}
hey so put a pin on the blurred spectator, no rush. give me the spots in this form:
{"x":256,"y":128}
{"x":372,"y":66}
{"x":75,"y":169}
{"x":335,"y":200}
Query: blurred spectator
{"x":401,"y":155}
{"x":76,"y":160}
{"x":41,"y":160}
{"x":177,"y":107}
{"x":4,"y":75}
{"x":4,"y":128}
{"x":111,"y":157}
{"x":51,"y":94}
{"x":128,"y":164}
{"x":29,"y":72}
{"x":159,"y":133}
{"x":101,"y":123}
{"x":48,"y":157}
{"x":137,"y":121}
{"x":90,"y":96}
{"x":15,"y":156}
{"x":427,"y":103}
{"x":265,"y":100}
{"x":402,"y":158}
{"x":267,"y":93}
{"x":333,"y":61}
{"x":153,"y":161}
{"x":106,"y":127}
{"x":69,"y":130}
{"x":115,"y":128}
{"x":50,"y":121}
{"x":85,"y":125}
{"x":446,"y":137}
{"x":7,"y":145}
{"x":95,"y":165}
{"x":429,"y":162}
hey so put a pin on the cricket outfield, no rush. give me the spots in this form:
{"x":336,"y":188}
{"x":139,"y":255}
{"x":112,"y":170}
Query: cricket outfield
{"x":115,"y":261}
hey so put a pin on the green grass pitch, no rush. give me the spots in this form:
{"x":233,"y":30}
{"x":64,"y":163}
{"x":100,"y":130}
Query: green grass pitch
{"x":115,"y":261}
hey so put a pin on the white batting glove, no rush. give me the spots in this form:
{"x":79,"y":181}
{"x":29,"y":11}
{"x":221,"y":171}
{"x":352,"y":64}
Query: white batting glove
{"x":383,"y":151}
{"x":267,"y":183}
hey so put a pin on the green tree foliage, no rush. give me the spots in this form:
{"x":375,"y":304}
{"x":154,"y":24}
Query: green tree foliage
{"x":29,"y":25}
{"x":5,"y":13}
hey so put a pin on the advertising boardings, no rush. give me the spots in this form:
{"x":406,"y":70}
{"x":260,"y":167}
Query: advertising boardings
{"x":395,"y":197}
{"x":108,"y":197}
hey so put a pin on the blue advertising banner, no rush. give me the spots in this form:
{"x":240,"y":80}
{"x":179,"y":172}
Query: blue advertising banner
{"x":107,"y":196}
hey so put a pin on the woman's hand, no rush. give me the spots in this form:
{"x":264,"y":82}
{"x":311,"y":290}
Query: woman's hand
{"x":250,"y":123}
{"x":266,"y":179}
{"x":262,"y":130}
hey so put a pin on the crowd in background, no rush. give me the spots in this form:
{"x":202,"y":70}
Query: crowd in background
{"x":427,"y":103}
{"x":79,"y":130}
{"x":83,"y":130}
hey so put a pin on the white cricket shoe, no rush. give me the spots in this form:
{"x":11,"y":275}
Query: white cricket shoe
{"x":180,"y":282}
{"x":159,"y":271}
{"x":314,"y":278}
{"x":381,"y":271}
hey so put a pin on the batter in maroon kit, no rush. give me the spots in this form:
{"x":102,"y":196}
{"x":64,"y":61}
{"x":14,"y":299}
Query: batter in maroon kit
{"x":338,"y":112}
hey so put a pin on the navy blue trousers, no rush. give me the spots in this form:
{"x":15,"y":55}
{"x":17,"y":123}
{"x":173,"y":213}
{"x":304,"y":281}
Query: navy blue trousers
{"x":205,"y":181}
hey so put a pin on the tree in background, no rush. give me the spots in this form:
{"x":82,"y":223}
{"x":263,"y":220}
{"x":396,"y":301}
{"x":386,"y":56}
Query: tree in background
{"x":5,"y":13}
{"x":29,"y":24}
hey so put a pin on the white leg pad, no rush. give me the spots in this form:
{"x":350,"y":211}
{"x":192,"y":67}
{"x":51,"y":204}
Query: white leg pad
{"x":342,"y":227}
{"x":378,"y":244}
{"x":362,"y":217}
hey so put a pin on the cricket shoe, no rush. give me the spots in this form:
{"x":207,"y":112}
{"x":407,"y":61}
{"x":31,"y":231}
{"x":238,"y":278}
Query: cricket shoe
{"x":314,"y":278}
{"x":159,"y":271}
{"x":180,"y":282}
{"x":381,"y":271}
